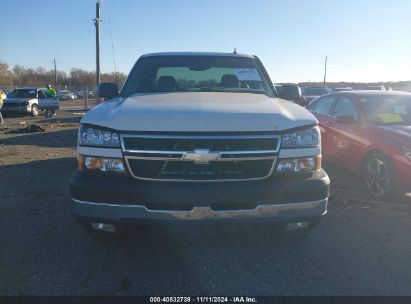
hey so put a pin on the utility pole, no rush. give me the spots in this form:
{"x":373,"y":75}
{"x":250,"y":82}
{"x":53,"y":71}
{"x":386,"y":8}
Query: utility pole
{"x":55,"y":73}
{"x":325,"y":70}
{"x":97,"y":24}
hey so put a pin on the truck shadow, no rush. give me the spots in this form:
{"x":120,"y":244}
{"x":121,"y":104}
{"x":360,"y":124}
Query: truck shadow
{"x":45,"y":251}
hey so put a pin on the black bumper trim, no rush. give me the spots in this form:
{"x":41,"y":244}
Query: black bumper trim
{"x":128,"y":191}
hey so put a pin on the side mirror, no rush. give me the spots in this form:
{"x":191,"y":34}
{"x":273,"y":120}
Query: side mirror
{"x":290,"y":92}
{"x":345,"y":119}
{"x":107,"y":90}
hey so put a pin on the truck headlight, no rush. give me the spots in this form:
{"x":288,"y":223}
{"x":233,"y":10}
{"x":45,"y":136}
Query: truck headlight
{"x":302,"y":139}
{"x":302,"y":164}
{"x":90,"y":136}
{"x":95,"y":163}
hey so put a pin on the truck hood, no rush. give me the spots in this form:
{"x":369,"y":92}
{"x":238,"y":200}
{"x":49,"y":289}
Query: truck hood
{"x":199,"y":112}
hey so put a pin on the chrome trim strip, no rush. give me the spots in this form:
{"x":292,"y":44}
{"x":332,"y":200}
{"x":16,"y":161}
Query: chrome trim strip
{"x":200,"y":136}
{"x":303,"y":152}
{"x":117,"y":211}
{"x":278,"y":137}
{"x":99,"y":151}
{"x":273,"y":157}
{"x":185,"y":152}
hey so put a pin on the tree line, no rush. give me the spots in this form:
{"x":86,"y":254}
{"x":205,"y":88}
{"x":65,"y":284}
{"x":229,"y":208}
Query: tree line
{"x":19,"y":75}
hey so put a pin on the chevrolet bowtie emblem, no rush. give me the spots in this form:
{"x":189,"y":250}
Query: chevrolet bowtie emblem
{"x":201,"y":156}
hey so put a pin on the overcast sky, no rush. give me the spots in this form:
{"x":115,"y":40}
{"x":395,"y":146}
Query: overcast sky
{"x":365,"y":40}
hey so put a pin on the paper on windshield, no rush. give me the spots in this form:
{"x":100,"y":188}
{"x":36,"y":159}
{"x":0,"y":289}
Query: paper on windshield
{"x":388,"y":118}
{"x":245,"y":74}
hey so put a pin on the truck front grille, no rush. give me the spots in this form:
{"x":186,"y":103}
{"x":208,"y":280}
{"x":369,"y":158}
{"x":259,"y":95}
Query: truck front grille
{"x":200,"y":158}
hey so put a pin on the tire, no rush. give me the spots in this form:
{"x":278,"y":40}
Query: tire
{"x":34,"y":110}
{"x":378,"y":176}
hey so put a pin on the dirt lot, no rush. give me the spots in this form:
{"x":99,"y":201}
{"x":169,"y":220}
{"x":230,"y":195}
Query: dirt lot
{"x":361,"y":247}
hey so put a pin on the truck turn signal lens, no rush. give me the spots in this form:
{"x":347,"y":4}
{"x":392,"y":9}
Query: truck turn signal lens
{"x":95,"y":163}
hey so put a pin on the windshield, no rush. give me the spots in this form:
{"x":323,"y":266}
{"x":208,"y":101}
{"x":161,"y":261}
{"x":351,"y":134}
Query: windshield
{"x":315,"y":91}
{"x":387,"y":110}
{"x":23,"y":93}
{"x":196,"y":74}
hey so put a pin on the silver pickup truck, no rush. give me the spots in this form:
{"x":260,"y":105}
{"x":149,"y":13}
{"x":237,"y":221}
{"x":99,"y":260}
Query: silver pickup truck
{"x":29,"y":100}
{"x":197,"y":137}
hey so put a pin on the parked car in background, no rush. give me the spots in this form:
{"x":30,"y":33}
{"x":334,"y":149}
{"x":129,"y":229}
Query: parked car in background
{"x":311,"y":93}
{"x":80,"y":94}
{"x":342,"y":89}
{"x":289,"y":92}
{"x":29,"y":100}
{"x":65,"y":95}
{"x":375,"y":88}
{"x":369,"y":134}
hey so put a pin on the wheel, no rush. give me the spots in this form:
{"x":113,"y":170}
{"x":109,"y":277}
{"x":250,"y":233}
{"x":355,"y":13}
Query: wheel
{"x":378,"y":176}
{"x":34,"y":110}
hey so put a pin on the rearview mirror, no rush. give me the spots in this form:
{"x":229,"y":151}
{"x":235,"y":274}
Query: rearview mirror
{"x":345,"y":119}
{"x":290,"y":92}
{"x":107,"y":90}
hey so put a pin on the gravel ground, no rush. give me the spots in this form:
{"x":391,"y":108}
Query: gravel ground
{"x":362,"y":247}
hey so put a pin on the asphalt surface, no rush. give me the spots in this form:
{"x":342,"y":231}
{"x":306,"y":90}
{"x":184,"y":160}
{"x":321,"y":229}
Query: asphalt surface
{"x":362,"y":247}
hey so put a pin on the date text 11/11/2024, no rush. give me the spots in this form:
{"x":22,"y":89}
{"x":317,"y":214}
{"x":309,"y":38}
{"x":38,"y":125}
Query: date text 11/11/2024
{"x":238,"y":299}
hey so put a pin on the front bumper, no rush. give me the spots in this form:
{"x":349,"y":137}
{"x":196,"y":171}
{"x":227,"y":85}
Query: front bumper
{"x":281,"y":212}
{"x":126,"y":199}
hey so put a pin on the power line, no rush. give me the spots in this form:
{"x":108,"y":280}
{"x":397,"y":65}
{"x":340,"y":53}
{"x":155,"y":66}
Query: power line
{"x":112,"y":48}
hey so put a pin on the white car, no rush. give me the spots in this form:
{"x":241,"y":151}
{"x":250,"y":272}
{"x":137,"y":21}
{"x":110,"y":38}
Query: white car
{"x":66,"y":95}
{"x":29,"y":100}
{"x":198,"y":137}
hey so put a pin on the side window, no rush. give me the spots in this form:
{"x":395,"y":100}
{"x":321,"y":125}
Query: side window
{"x":41,"y":94}
{"x":323,"y":105}
{"x":345,"y":107}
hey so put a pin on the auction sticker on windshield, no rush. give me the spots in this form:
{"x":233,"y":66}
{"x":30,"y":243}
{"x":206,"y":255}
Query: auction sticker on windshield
{"x":247,"y":74}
